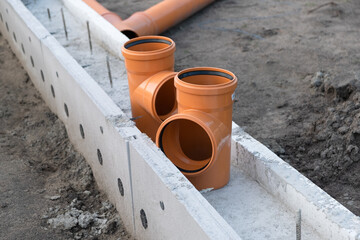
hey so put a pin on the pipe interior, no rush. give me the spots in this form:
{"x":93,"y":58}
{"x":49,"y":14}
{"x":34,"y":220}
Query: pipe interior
{"x":186,"y":144}
{"x":205,"y":77}
{"x":165,"y":100}
{"x":145,"y":45}
{"x":130,"y":34}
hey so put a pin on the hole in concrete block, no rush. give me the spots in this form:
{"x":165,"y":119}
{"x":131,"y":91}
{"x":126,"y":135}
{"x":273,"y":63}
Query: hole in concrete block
{"x":57,"y":74}
{"x":14,"y":35}
{"x":66,"y":110}
{"x":100,"y":157}
{"x":162,"y":205}
{"x":29,"y":39}
{"x":121,"y":187}
{"x":52,"y":91}
{"x":22,"y":48}
{"x":143,"y":218}
{"x":42,"y":75}
{"x":7,"y":26}
{"x":7,"y":11}
{"x":1,"y":18}
{"x":82,"y":131}
{"x":101,"y":130}
{"x":32,"y":61}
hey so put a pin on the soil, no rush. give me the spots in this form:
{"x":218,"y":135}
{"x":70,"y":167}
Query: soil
{"x":299,"y":78}
{"x":47,"y":188}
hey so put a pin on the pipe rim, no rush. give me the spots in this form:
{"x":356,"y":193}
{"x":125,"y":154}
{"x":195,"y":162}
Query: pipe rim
{"x":168,"y":49}
{"x":141,"y":41}
{"x":205,"y":72}
{"x":200,"y":123}
{"x":206,"y":89}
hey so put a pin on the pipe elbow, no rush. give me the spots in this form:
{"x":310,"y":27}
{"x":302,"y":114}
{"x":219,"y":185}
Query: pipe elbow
{"x":140,"y":24}
{"x":157,"y":95}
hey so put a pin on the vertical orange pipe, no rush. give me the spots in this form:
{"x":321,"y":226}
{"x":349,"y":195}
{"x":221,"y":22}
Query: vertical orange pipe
{"x":198,"y":139}
{"x":149,"y":63}
{"x":154,"y":20}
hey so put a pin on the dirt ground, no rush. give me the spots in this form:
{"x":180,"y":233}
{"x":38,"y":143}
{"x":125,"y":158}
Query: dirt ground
{"x":47,"y":190}
{"x":298,"y":64}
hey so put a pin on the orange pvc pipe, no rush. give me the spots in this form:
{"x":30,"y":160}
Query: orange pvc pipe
{"x":149,"y":62}
{"x":154,"y":20}
{"x":198,"y":139}
{"x":108,"y":15}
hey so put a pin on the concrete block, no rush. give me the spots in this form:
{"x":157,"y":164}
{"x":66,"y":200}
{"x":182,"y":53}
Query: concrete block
{"x":166,"y":204}
{"x":325,"y":214}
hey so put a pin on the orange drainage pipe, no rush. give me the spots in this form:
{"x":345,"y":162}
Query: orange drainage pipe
{"x":154,"y":20}
{"x":198,"y":139}
{"x":149,"y":63}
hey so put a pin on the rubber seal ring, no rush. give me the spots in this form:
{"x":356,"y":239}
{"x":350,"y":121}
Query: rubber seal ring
{"x":205,"y":72}
{"x":147,"y":41}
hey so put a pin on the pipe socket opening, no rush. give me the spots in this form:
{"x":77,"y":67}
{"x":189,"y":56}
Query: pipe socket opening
{"x":165,"y":100}
{"x":187,"y":144}
{"x":212,"y":77}
{"x":130,"y":34}
{"x":148,"y":44}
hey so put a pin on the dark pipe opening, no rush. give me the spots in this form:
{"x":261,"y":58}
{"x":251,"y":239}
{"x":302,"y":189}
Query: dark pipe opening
{"x":165,"y":100}
{"x":187,"y":144}
{"x":130,"y":34}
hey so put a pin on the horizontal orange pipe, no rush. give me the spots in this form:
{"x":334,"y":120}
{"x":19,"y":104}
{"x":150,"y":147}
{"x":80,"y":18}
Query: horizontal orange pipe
{"x":154,"y":20}
{"x":96,"y":6}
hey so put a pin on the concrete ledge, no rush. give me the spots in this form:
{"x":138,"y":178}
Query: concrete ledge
{"x":331,"y":219}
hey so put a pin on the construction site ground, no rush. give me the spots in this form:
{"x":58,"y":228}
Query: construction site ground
{"x":298,"y":65}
